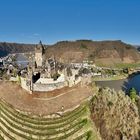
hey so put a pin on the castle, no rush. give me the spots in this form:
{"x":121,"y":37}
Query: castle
{"x":39,"y":54}
{"x":48,"y":74}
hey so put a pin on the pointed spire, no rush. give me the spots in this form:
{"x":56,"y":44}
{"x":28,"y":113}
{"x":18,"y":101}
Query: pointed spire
{"x":40,"y":42}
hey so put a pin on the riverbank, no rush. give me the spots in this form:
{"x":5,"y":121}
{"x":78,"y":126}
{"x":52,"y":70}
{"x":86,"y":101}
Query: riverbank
{"x":121,"y":84}
{"x":112,"y":78}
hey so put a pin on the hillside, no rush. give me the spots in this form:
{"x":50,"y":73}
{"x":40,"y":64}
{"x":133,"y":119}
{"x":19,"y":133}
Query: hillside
{"x":115,"y":115}
{"x":108,"y":115}
{"x":18,"y":125}
{"x":101,"y":52}
{"x":6,"y":48}
{"x":106,"y":53}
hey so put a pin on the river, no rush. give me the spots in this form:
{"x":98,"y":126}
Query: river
{"x":124,"y":84}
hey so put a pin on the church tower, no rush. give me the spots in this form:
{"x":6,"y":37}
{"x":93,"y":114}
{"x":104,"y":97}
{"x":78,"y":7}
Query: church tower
{"x":39,"y":51}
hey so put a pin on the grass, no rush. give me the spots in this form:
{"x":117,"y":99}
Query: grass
{"x":29,"y":127}
{"x":6,"y":134}
{"x":86,"y":136}
{"x":118,"y":77}
{"x":126,"y":65}
{"x":120,"y":65}
{"x":38,"y":120}
{"x":47,"y":133}
{"x":42,"y":127}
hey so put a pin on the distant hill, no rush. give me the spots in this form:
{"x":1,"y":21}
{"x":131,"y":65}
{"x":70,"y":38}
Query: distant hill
{"x":101,"y":52}
{"x":6,"y":48}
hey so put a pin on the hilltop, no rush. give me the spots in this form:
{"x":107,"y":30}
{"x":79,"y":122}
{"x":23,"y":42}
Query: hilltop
{"x":101,"y":52}
{"x":106,"y":115}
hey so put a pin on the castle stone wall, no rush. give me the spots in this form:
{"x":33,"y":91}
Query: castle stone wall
{"x":24,"y":84}
{"x":48,"y":87}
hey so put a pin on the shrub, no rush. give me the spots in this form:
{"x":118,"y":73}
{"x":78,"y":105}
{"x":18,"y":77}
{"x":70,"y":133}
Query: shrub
{"x":83,"y":46}
{"x":133,"y":94}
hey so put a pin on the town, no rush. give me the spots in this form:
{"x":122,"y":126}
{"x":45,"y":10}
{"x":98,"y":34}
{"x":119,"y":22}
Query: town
{"x":36,"y":73}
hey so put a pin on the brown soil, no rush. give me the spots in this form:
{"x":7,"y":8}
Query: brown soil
{"x":115,"y":52}
{"x":43,"y":103}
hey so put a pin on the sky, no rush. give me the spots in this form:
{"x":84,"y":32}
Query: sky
{"x":28,"y":21}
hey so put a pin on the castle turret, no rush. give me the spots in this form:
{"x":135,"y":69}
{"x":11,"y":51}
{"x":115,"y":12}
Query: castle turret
{"x":39,"y":51}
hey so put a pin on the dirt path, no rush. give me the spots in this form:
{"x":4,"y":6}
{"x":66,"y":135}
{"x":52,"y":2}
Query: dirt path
{"x":43,"y":103}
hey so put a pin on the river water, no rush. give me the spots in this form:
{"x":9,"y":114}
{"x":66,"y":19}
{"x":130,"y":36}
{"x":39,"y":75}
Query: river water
{"x":124,"y":84}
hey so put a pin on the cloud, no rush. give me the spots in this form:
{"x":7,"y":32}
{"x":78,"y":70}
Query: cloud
{"x":36,"y":34}
{"x":33,"y":36}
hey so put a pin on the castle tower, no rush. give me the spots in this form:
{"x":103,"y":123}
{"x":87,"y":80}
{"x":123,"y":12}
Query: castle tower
{"x":39,"y":51}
